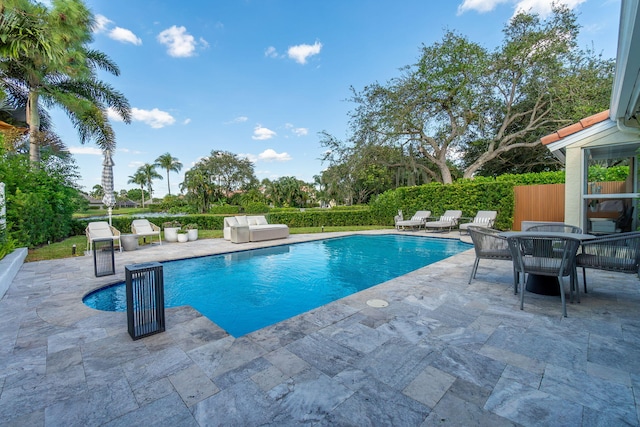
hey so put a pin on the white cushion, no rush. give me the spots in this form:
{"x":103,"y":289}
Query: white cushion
{"x":447,"y":219}
{"x":481,"y":220}
{"x":260,"y":220}
{"x":242,"y":220}
{"x":143,"y":227}
{"x":230,"y":221}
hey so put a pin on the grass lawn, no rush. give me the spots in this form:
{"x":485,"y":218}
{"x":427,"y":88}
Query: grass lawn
{"x":64,"y":249}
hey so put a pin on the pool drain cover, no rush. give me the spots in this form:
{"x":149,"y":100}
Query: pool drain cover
{"x":377,"y":303}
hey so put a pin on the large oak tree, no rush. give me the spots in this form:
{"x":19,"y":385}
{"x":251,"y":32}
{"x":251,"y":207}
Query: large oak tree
{"x":462,"y":106}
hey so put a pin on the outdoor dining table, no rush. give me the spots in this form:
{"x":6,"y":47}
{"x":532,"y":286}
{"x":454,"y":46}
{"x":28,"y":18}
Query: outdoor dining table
{"x":546,"y":285}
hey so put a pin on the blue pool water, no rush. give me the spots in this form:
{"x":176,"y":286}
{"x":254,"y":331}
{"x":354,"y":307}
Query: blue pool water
{"x":245,"y":291}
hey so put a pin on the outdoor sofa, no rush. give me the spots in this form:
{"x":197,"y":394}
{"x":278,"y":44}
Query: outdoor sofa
{"x":259,"y":228}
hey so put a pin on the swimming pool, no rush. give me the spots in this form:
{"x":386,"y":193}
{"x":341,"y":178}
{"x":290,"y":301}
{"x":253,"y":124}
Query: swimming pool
{"x":245,"y":291}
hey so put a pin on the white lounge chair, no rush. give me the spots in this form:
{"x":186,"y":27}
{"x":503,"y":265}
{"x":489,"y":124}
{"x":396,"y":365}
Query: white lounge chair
{"x":101,"y":230}
{"x":482,"y":219}
{"x":417,"y":220}
{"x":144,"y":228}
{"x":448,"y":220}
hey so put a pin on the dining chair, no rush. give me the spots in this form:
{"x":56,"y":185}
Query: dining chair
{"x":619,"y":253}
{"x":489,"y":245}
{"x":559,"y":228}
{"x":545,"y":255}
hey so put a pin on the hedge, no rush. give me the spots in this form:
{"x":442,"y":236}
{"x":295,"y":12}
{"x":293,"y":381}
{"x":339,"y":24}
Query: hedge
{"x":468,"y":196}
{"x":123,"y":223}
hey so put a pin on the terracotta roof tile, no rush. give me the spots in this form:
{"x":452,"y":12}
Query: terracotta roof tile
{"x":576,"y":127}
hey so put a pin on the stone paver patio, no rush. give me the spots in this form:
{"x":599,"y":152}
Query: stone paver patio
{"x":442,"y":353}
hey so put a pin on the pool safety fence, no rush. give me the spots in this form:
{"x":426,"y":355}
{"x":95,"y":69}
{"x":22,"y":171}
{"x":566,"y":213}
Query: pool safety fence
{"x":145,"y":299}
{"x":104,"y":263}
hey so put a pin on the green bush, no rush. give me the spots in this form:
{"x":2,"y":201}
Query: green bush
{"x":39,"y":202}
{"x":255,"y":208}
{"x":320,"y":217}
{"x":468,"y":196}
{"x":224,"y":210}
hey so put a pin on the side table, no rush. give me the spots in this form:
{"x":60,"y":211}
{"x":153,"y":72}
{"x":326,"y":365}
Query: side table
{"x":129,"y":242}
{"x":240,"y":234}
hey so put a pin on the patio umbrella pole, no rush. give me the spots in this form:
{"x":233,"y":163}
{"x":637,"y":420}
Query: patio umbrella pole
{"x":107,"y":183}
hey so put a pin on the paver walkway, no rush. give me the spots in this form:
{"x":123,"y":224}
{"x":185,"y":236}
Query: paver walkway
{"x":442,"y":353}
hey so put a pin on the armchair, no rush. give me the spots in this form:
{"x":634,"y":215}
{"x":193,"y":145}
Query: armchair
{"x":545,"y":255}
{"x":489,"y":245}
{"x":619,"y":252}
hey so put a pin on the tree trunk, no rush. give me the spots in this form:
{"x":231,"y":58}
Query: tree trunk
{"x":168,"y":183}
{"x":142,"y":194}
{"x":33,"y":119}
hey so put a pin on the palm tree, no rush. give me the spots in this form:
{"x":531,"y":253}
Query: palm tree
{"x":64,"y":75}
{"x":169,"y":163}
{"x":140,"y":179}
{"x":150,"y":173}
{"x":97,"y":192}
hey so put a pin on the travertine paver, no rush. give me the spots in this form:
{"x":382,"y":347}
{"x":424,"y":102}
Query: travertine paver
{"x":443,"y":352}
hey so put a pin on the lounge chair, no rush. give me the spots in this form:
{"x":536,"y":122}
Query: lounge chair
{"x":101,"y":230}
{"x":448,"y":220}
{"x":144,"y":228}
{"x":417,"y":220}
{"x":482,"y":219}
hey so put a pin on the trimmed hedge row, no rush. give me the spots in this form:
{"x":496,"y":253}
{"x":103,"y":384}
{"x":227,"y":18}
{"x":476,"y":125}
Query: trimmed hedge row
{"x":314,"y":218}
{"x":468,"y":196}
{"x":318,"y":218}
{"x":123,"y":223}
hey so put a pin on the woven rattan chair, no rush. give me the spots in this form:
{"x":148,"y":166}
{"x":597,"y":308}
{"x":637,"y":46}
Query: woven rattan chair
{"x":558,"y":228}
{"x":619,"y":252}
{"x":489,"y":245}
{"x":545,"y":255}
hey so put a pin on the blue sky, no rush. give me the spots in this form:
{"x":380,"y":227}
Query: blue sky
{"x":261,"y":78}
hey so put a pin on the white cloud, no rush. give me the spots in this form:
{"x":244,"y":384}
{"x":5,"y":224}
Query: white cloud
{"x":261,"y":133}
{"x":540,"y":7}
{"x":155,"y":118}
{"x":101,"y":23}
{"x":251,"y":157}
{"x":186,"y":121}
{"x":480,"y":6}
{"x":125,"y":36}
{"x":239,"y":119}
{"x":270,"y":155}
{"x":126,"y":150}
{"x":271,"y":52}
{"x":297,"y":131}
{"x":180,"y":44}
{"x":135,"y":164}
{"x":301,"y":52}
{"x":86,"y":150}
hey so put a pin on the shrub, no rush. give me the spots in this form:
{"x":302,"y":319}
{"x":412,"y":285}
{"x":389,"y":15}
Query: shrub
{"x":255,"y":208}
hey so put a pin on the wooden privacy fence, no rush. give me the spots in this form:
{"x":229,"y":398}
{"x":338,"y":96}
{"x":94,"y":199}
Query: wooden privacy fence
{"x":538,"y":203}
{"x":546,"y":202}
